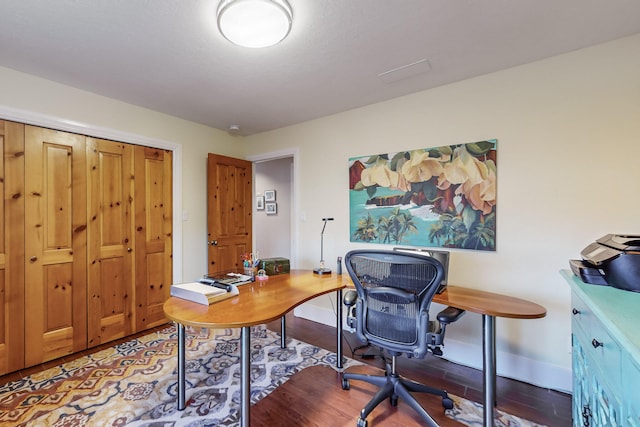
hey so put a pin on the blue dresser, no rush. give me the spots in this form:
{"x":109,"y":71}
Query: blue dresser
{"x":605,"y":330}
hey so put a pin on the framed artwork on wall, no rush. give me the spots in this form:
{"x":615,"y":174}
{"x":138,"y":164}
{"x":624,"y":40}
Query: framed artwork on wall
{"x":271,"y":208}
{"x":260,"y":203}
{"x":441,"y":196}
{"x":270,"y":196}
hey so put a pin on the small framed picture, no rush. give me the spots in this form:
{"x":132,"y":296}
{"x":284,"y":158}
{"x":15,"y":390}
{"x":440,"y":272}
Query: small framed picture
{"x":270,"y":196}
{"x":260,"y":203}
{"x":272,"y":208}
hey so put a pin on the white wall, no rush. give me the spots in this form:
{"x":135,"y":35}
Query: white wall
{"x":38,"y":101}
{"x":272,"y":233}
{"x":568,"y":131}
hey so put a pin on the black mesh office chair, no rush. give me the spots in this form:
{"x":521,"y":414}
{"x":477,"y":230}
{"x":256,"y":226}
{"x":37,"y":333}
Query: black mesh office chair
{"x":390,"y":310}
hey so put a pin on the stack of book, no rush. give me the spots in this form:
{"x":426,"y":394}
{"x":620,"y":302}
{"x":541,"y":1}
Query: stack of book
{"x":203,"y":293}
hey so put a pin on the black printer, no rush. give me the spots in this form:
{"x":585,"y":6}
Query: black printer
{"x":612,"y":260}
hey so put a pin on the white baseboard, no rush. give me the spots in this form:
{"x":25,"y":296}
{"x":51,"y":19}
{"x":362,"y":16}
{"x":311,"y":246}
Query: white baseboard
{"x":509,"y":365}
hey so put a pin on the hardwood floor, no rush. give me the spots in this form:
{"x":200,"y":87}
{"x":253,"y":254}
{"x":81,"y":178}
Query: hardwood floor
{"x":317,"y":397}
{"x":313,"y":397}
{"x":540,"y":405}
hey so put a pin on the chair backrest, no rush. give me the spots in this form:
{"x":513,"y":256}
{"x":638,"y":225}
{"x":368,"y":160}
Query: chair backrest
{"x":442,"y":256}
{"x":395,"y":290}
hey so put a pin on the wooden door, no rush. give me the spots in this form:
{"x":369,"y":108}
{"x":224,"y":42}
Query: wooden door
{"x":153,"y":238}
{"x":11,"y":247}
{"x":228,"y":212}
{"x":55,"y":245}
{"x":110,"y":241}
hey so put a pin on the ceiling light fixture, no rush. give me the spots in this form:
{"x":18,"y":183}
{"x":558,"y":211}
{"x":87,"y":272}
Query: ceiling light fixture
{"x":254,"y":23}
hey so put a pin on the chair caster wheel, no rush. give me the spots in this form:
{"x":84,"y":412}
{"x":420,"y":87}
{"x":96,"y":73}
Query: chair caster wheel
{"x":393,"y":400}
{"x":345,"y":384}
{"x":362,"y":422}
{"x":447,"y":403}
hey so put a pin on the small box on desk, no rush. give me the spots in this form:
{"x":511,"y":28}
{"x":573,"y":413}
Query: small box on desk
{"x":274,"y":266}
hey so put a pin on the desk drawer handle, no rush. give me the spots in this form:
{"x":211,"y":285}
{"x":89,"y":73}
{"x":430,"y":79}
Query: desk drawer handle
{"x":595,"y":343}
{"x":586,"y":415}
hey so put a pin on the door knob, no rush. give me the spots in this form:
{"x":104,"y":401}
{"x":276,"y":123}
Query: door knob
{"x":213,"y":243}
{"x":33,"y":258}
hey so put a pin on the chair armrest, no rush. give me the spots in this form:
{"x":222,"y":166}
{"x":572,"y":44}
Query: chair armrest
{"x":449,"y":315}
{"x":350,"y":298}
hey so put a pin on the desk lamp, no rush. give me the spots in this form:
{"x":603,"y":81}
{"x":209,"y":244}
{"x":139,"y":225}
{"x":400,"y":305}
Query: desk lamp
{"x":322,"y":270}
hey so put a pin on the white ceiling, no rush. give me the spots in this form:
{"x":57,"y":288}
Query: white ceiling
{"x":167,"y":55}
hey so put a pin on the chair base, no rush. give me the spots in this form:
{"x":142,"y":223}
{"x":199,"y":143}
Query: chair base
{"x":393,"y":386}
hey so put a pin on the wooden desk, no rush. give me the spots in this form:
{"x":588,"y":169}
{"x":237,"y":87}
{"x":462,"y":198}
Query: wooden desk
{"x":490,"y":305}
{"x":257,"y":303}
{"x":260,"y":303}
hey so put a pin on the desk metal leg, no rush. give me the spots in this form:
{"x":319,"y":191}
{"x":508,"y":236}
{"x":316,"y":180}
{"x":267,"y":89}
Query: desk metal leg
{"x":181,"y":367}
{"x":283,"y":332}
{"x":489,"y":367}
{"x":339,"y":328}
{"x":245,"y":375}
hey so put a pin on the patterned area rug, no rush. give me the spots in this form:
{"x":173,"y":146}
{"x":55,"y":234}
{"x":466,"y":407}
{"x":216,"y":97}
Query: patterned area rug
{"x":134,"y":383}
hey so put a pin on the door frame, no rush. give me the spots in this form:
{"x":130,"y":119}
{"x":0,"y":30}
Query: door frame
{"x":295,"y":208}
{"x":43,"y":120}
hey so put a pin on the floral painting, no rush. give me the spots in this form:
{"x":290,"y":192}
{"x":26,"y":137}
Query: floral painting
{"x":437,"y":197}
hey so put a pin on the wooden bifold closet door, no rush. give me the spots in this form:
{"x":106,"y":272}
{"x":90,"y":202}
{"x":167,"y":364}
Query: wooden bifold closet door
{"x":55,"y":244}
{"x":154,"y":238}
{"x":110,"y":241}
{"x":85,"y":242}
{"x":129,"y":238}
{"x":11,"y":246}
